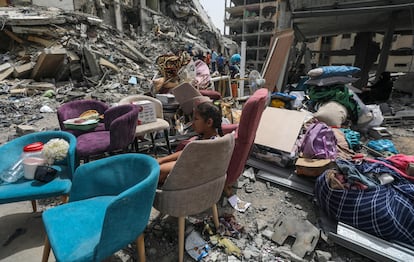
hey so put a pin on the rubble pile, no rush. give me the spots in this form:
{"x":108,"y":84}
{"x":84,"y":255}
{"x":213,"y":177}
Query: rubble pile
{"x":65,"y":55}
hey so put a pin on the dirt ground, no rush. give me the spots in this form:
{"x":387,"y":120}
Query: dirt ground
{"x":268,"y":202}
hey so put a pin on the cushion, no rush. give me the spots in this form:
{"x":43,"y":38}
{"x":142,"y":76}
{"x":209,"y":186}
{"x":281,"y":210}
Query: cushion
{"x":332,"y":114}
{"x":332,"y":80}
{"x":327,"y":71}
{"x":100,"y":141}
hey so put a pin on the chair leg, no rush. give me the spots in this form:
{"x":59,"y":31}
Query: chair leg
{"x":141,"y":247}
{"x":215,"y":216}
{"x":154,"y":149}
{"x":46,"y":250}
{"x":136,"y":144}
{"x":181,"y":227}
{"x":34,"y":206}
{"x":167,"y":140}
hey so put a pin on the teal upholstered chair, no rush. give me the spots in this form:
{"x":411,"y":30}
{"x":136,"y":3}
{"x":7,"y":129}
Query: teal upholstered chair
{"x":24,"y":189}
{"x":109,"y":207}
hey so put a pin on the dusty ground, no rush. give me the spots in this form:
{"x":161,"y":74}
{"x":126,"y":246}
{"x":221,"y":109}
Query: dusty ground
{"x":269,"y":201}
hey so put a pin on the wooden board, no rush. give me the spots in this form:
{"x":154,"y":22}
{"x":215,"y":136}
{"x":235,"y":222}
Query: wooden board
{"x":274,"y":67}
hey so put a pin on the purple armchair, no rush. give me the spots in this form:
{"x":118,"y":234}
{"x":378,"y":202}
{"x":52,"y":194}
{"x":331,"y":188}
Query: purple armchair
{"x":120,"y":123}
{"x":75,"y":108}
{"x":245,"y":135}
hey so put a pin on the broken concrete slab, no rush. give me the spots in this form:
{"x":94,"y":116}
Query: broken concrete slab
{"x":92,"y":62}
{"x":15,"y":16}
{"x":48,"y":63}
{"x":306,"y":235}
{"x":5,"y":66}
{"x":23,"y":71}
{"x":36,"y":30}
{"x":140,"y":56}
{"x":6,"y":73}
{"x":25,"y":129}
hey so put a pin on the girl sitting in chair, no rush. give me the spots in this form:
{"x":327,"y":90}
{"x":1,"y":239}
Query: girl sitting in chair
{"x":206,"y":123}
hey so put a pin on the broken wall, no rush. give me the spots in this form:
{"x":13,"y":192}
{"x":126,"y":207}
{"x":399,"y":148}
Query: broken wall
{"x":63,"y":4}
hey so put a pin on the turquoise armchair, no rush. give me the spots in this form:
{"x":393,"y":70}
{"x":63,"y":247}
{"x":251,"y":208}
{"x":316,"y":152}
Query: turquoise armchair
{"x":109,"y":207}
{"x":24,"y":189}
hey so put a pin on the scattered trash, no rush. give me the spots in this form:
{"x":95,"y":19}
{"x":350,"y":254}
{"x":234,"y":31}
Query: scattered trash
{"x":230,"y":227}
{"x":132,"y":80}
{"x":238,"y":204}
{"x":229,"y":247}
{"x":46,"y":109}
{"x":196,"y":246}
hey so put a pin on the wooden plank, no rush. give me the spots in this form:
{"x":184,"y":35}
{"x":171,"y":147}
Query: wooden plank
{"x":13,"y":36}
{"x":108,"y":64}
{"x":39,"y":40}
{"x":277,"y":59}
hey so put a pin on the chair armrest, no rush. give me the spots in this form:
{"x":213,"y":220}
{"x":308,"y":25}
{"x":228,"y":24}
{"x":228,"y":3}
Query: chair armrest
{"x":72,"y":162}
{"x":184,"y":143}
{"x":227,"y":129}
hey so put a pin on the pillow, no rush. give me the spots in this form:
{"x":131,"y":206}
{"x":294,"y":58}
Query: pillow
{"x":332,"y":114}
{"x":333,"y":80}
{"x":327,"y":71}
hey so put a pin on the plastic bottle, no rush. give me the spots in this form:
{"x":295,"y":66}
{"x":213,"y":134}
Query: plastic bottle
{"x":32,"y":157}
{"x":14,"y":173}
{"x":17,"y":170}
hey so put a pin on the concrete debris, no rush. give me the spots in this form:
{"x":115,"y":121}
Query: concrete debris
{"x":79,"y":55}
{"x":306,"y":235}
{"x":323,"y":256}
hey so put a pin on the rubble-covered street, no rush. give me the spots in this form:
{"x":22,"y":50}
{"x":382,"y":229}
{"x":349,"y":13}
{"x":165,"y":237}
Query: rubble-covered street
{"x":49,"y":56}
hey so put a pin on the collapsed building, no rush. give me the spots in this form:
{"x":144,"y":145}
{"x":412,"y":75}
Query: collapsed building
{"x":81,"y":48}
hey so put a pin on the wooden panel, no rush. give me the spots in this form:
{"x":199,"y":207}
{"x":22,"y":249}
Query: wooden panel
{"x":275,"y":63}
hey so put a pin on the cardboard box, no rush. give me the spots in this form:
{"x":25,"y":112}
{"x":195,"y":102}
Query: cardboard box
{"x":146,"y":113}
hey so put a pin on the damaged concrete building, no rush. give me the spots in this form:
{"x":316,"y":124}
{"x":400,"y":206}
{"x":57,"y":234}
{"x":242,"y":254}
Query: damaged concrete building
{"x":56,"y":46}
{"x":137,"y":16}
{"x":255,"y":22}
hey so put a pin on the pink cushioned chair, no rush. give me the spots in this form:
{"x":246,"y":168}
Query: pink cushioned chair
{"x":245,"y":135}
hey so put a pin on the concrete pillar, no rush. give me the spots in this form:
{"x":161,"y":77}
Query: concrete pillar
{"x":366,"y":53}
{"x":284,"y":17}
{"x":386,"y":46}
{"x":242,"y":68}
{"x":118,"y":15}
